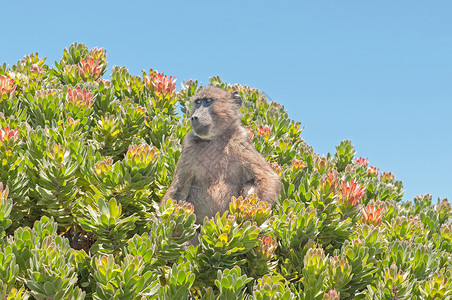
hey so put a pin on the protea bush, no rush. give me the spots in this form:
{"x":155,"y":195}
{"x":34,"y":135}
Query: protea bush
{"x":85,"y":160}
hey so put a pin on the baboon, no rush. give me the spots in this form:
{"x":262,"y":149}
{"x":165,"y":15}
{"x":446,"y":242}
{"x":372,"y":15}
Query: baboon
{"x":218,"y":159}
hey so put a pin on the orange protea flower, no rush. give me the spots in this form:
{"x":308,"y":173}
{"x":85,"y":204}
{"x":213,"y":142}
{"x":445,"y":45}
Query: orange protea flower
{"x":90,"y":68}
{"x":362,"y":161}
{"x":387,"y":177}
{"x":264,"y":130}
{"x":250,"y":132}
{"x":351,"y":193}
{"x":329,"y":183}
{"x":140,"y":110}
{"x":8,"y":134}
{"x":80,"y":97}
{"x":298,"y":164}
{"x":372,"y":171}
{"x":268,"y":246}
{"x":160,"y":83}
{"x":7,"y":86}
{"x":372,"y":215}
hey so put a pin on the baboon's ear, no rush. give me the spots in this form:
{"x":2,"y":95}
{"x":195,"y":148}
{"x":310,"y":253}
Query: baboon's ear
{"x":237,"y":98}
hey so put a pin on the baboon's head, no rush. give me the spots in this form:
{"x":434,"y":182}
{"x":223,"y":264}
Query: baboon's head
{"x":213,"y":111}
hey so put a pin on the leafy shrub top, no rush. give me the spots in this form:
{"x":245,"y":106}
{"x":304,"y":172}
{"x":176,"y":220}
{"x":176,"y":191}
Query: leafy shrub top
{"x":86,"y":160}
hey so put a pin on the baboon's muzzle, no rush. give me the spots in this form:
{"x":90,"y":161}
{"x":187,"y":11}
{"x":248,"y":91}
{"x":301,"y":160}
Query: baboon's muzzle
{"x":200,"y":122}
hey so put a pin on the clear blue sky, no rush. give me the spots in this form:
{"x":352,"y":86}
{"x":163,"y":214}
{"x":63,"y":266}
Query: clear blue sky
{"x":376,"y":72}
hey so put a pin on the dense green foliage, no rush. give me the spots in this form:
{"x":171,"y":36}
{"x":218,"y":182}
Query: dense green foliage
{"x":85,"y":162}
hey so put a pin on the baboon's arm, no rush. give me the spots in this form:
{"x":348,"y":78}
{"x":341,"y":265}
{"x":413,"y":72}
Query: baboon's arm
{"x":180,"y":187}
{"x":267,"y":184}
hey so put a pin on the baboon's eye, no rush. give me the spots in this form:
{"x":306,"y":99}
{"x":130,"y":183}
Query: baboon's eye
{"x":208,"y":100}
{"x":198,"y":101}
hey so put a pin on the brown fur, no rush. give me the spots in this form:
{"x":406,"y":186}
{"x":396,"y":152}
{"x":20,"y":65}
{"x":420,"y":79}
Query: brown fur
{"x":223,"y":163}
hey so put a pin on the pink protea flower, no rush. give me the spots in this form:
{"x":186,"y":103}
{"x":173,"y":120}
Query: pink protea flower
{"x":7,"y":85}
{"x":351,"y":192}
{"x":36,"y":69}
{"x":80,"y":97}
{"x":372,"y":171}
{"x":90,"y":68}
{"x":372,"y":215}
{"x":8,"y":134}
{"x":332,"y":295}
{"x":160,"y":83}
{"x":362,"y":161}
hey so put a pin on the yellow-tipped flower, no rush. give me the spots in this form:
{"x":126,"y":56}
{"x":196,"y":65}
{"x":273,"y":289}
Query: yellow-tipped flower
{"x":298,"y":164}
{"x":58,"y":154}
{"x":183,"y":208}
{"x":103,"y":166}
{"x":321,"y":163}
{"x":372,"y":171}
{"x":250,"y":209}
{"x":387,"y":177}
{"x":141,"y":154}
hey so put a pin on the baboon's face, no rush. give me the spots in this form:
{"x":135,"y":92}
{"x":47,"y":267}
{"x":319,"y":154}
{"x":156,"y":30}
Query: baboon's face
{"x":201,"y":119}
{"x":213,"y":111}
